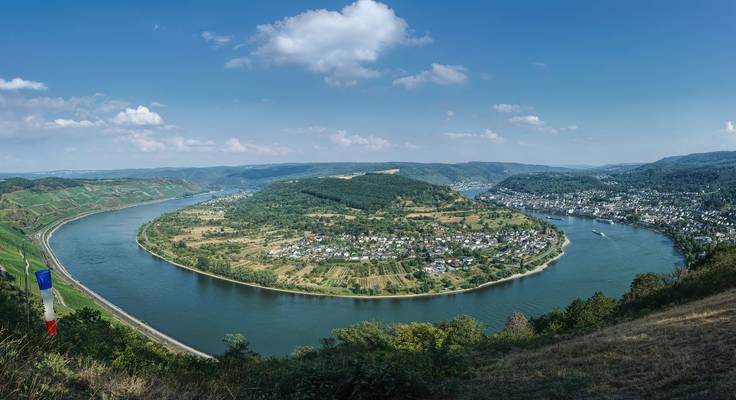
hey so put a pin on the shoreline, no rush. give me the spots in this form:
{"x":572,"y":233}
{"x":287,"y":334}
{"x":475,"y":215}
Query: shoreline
{"x":536,"y":270}
{"x":44,"y":235}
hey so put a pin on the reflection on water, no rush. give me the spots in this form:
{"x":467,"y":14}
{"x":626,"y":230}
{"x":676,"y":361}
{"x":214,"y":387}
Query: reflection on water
{"x":199,"y":310}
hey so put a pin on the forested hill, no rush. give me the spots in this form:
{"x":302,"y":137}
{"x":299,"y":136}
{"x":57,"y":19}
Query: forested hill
{"x":551,"y":183}
{"x":694,"y":172}
{"x":368,"y":192}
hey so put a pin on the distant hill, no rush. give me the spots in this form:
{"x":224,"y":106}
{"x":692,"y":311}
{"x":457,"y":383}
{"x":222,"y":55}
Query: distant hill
{"x":717,"y":159}
{"x":693,"y":172}
{"x":257,"y":176}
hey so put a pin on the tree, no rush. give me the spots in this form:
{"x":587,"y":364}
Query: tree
{"x":517,"y":327}
{"x":644,"y":285}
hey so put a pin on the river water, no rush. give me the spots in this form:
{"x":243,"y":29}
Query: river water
{"x":101,"y":252}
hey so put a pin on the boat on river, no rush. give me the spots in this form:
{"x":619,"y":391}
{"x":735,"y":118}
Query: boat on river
{"x":599,"y":233}
{"x":554,"y":218}
{"x":605,"y":221}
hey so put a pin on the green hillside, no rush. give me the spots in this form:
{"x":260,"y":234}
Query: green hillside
{"x":30,"y":208}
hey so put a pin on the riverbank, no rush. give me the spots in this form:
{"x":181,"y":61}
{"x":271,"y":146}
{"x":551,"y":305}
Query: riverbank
{"x":44,"y":235}
{"x":536,"y":270}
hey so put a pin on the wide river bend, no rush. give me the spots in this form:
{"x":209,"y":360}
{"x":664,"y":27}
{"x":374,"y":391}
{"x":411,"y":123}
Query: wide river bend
{"x":100,"y":251}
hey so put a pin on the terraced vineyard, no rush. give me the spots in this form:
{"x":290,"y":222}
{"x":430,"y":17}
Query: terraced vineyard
{"x":31,"y":209}
{"x":373,"y":234}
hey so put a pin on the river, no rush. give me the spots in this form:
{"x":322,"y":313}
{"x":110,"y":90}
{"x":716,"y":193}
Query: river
{"x":101,"y":252}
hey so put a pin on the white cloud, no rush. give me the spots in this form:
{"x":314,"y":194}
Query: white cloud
{"x":507,"y":108}
{"x":70,"y":123}
{"x":529,"y":120}
{"x":440,"y":74}
{"x":487,"y":134}
{"x":215,"y":39}
{"x":456,"y":135}
{"x":373,"y":143}
{"x":234,"y":145}
{"x":113,"y":105}
{"x":419,"y":41}
{"x":493,"y":136}
{"x":450,"y":114}
{"x":730,"y":127}
{"x":180,"y":143}
{"x":539,"y":64}
{"x":19,"y":84}
{"x":144,"y":142}
{"x":239,"y":62}
{"x":336,"y":44}
{"x":138,"y":116}
{"x":156,"y":104}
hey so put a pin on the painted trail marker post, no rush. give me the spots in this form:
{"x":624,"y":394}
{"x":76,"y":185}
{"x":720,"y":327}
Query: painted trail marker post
{"x":44,"y":284}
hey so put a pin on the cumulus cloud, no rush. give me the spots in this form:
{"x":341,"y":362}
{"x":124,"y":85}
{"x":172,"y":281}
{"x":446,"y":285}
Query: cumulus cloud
{"x":450,"y":114}
{"x":336,"y":44}
{"x":239,"y":62}
{"x":373,"y":143}
{"x":20,"y":84}
{"x":215,"y":39}
{"x":234,"y":145}
{"x":440,"y":74}
{"x":507,"y":108}
{"x":528,"y":120}
{"x":730,"y":127}
{"x":138,"y":116}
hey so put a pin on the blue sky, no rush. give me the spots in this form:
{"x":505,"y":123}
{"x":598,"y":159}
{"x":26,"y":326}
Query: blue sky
{"x":102,"y":85}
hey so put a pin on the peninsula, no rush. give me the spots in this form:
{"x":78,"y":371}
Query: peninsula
{"x":375,"y":234}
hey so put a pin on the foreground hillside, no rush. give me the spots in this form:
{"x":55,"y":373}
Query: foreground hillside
{"x":372,"y":234}
{"x":688,"y":351}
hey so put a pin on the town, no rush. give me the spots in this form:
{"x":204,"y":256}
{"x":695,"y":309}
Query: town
{"x":683,"y":215}
{"x":442,"y":254}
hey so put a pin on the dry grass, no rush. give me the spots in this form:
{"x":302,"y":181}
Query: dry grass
{"x":685,"y":352}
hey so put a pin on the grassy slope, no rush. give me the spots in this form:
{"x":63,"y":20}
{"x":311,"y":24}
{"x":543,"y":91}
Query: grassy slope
{"x":685,"y":352}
